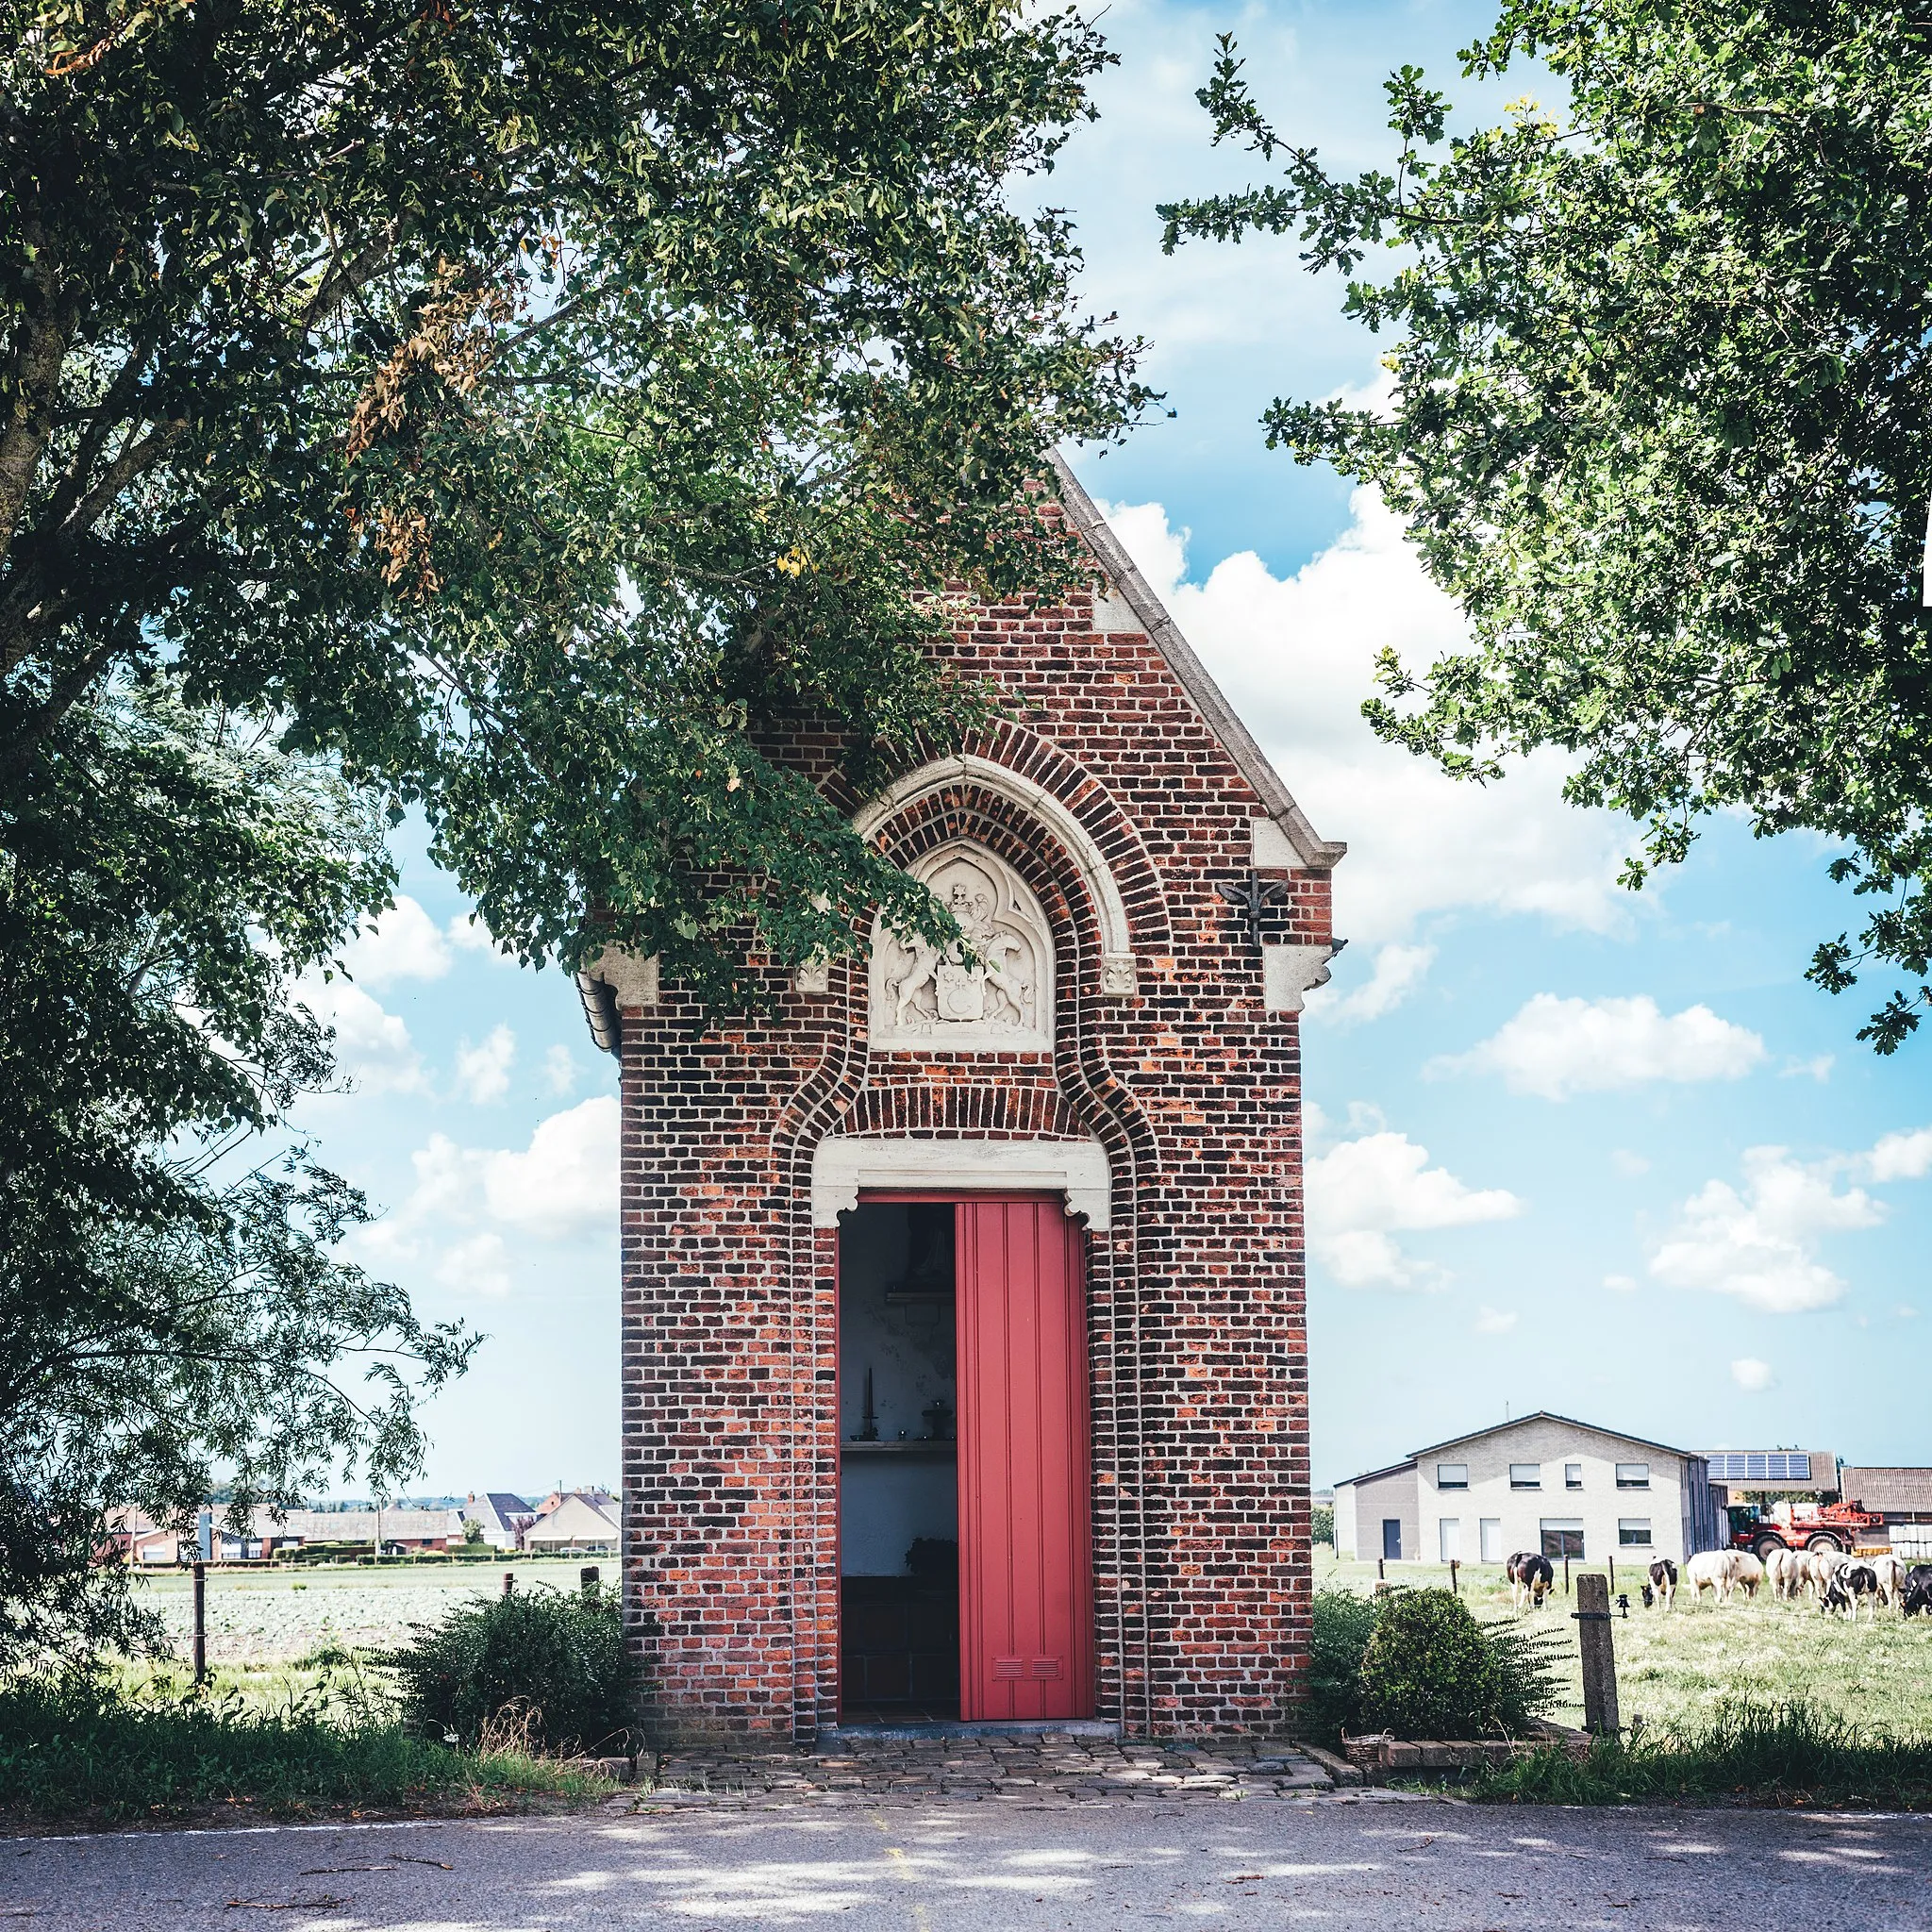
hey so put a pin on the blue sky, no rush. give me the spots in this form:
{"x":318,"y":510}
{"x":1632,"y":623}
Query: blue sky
{"x":1571,"y":1148}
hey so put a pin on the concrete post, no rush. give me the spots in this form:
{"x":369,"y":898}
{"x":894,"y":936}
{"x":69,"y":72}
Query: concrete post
{"x":1592,"y":1614}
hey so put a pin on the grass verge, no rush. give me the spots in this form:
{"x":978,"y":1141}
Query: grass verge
{"x":1758,"y":1754}
{"x":90,"y":1751}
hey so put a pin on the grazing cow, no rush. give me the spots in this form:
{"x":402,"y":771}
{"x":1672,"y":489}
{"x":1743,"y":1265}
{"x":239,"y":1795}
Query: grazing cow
{"x":1850,"y":1585}
{"x":1722,"y":1571}
{"x":1891,"y":1572}
{"x":1649,"y":1596}
{"x":1531,"y":1579}
{"x":1663,"y":1583}
{"x":1820,"y":1565}
{"x":1917,"y":1594}
{"x":1783,"y":1570}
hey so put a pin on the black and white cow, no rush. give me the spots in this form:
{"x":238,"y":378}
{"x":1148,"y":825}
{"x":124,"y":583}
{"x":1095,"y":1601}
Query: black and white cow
{"x":1916,"y":1595}
{"x":1663,"y":1581}
{"x":1531,"y":1579}
{"x":1850,"y":1585}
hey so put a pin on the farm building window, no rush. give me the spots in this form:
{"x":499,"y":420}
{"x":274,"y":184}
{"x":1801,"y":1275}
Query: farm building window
{"x":1449,"y":1539}
{"x":1452,"y":1476}
{"x":1562,"y":1536}
{"x":1633,"y":1532}
{"x":1572,"y":1476}
{"x":1525,"y":1476}
{"x":1492,"y":1528}
{"x":1633,"y":1475}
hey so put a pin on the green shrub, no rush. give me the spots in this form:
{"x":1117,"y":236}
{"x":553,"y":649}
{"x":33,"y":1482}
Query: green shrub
{"x":1322,"y":1524}
{"x":1343,"y":1622}
{"x":537,"y":1669}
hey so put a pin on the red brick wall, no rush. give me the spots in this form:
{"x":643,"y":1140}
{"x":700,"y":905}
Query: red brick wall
{"x":1198,"y":1334}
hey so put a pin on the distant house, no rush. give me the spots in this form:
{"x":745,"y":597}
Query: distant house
{"x":575,"y":1520}
{"x":502,"y":1515}
{"x":399,"y":1528}
{"x":1544,"y":1482}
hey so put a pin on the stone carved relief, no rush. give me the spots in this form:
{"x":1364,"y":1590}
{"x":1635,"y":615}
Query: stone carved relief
{"x":932,"y":997}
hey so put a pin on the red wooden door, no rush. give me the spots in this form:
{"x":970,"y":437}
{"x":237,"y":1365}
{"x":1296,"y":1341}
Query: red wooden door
{"x":1025,"y":1574}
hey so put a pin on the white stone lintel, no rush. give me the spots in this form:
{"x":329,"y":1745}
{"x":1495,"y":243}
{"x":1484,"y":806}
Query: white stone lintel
{"x":843,"y":1165}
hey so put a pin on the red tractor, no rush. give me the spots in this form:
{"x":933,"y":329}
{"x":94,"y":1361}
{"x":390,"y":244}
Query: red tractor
{"x":1800,"y":1527}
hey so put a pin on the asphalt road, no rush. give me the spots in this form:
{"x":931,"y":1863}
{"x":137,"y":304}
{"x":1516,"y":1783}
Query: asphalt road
{"x":961,"y":1868}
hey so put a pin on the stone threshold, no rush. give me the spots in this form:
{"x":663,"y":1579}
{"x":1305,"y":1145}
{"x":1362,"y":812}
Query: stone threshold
{"x":835,"y":1735}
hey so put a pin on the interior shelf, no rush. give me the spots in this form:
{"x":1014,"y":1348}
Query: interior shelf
{"x":947,"y":1451}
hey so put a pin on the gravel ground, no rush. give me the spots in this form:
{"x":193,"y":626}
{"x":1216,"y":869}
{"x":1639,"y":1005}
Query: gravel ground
{"x":928,"y":1866}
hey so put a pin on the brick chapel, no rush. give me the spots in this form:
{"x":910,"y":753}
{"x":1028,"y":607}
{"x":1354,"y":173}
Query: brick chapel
{"x":964,"y":1345}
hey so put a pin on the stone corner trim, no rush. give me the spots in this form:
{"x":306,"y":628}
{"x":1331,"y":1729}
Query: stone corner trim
{"x":1289,"y":971}
{"x":843,"y":1165}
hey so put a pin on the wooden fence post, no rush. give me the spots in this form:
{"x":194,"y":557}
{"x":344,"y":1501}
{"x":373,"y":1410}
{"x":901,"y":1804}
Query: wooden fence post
{"x":586,"y":1579}
{"x":510,"y":1581}
{"x":1592,"y":1614}
{"x":1380,"y":1573}
{"x":1455,"y":1580}
{"x":200,"y":1622}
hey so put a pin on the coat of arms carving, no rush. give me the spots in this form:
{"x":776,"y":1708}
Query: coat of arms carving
{"x":992,"y":992}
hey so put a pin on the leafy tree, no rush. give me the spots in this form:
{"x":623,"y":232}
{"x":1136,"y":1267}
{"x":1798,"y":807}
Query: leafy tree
{"x":536,"y":405}
{"x":1661,"y":420}
{"x":167,"y":1326}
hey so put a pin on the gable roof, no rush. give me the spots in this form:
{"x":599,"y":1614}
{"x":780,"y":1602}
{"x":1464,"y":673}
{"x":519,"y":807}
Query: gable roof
{"x":1312,"y":850}
{"x":1548,"y":1415}
{"x":1402,"y":1468}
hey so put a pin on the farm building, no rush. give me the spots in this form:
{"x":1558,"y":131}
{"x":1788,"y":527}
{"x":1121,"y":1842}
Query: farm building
{"x":1748,"y":1475}
{"x":1543,"y":1482}
{"x":963,"y":1335}
{"x":1902,"y":1497}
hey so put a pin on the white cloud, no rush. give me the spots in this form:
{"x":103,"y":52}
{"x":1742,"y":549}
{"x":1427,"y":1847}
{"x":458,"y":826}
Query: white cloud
{"x":1760,"y":1245}
{"x":1628,"y":1164}
{"x":403,"y":943}
{"x":1296,"y":658}
{"x":559,"y":1070}
{"x":1900,"y":1157}
{"x":374,"y":1052}
{"x":1620,"y":1284}
{"x":1555,"y":1047}
{"x":1363,"y":1192}
{"x":1818,"y":1068}
{"x":479,"y":1265}
{"x":562,"y":1186}
{"x":1495,"y":1320}
{"x":483,"y":1071}
{"x":566,"y":1182}
{"x":1398,"y":971}
{"x":466,"y":933}
{"x":1747,"y":1372}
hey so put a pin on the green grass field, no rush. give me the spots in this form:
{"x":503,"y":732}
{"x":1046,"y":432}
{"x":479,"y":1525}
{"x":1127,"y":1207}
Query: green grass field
{"x":1677,"y":1668}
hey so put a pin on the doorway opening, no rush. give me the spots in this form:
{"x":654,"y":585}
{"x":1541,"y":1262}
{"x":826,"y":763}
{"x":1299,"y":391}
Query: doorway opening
{"x":898,"y":1463}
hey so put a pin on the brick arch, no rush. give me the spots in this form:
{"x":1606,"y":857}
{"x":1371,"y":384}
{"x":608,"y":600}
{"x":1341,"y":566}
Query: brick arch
{"x":1066,"y":801}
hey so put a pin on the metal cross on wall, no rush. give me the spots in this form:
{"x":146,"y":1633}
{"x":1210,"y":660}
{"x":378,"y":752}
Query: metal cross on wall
{"x":1252,"y":899}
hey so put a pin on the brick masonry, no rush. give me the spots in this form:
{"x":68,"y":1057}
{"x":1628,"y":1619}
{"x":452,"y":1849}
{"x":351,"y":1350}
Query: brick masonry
{"x":1198,"y":1336}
